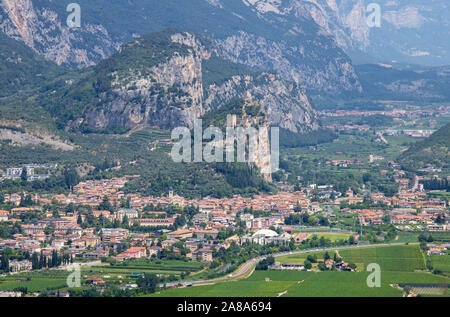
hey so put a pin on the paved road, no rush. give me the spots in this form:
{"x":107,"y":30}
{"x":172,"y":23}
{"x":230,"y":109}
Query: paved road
{"x":246,"y":268}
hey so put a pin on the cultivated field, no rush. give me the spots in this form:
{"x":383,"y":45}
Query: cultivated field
{"x":398,"y":265}
{"x":390,"y":258}
{"x":306,"y":284}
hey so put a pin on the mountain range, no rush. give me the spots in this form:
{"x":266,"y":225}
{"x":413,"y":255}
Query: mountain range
{"x":134,"y":64}
{"x":164,"y":79}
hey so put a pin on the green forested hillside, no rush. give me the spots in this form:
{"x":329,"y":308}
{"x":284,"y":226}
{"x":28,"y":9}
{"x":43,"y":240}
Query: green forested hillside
{"x":433,"y":150}
{"x":412,"y":83}
{"x":21,"y":69}
{"x":39,"y":95}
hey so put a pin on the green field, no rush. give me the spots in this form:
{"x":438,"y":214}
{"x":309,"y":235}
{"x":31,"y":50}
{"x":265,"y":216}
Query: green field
{"x":406,"y":258}
{"x":300,"y":258}
{"x":305,"y":284}
{"x":333,"y":236}
{"x":56,"y":279}
{"x":406,"y":237}
{"x":35,"y":281}
{"x":441,"y":262}
{"x":398,"y":265}
{"x":390,"y":258}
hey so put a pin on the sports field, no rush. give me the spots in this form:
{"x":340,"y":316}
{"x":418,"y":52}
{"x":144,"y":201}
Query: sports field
{"x":334,"y":236}
{"x":300,"y":258}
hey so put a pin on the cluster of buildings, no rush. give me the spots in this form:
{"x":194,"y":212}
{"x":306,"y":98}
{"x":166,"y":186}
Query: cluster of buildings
{"x":344,"y":163}
{"x":16,"y":172}
{"x":260,"y":215}
{"x":394,"y":112}
{"x":438,"y":249}
{"x":412,"y":133}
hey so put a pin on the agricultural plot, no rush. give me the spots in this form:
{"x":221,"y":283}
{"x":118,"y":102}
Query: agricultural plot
{"x":398,"y":265}
{"x":406,"y":238}
{"x":160,"y":267}
{"x":390,"y":258}
{"x":56,"y":279}
{"x":441,"y":262}
{"x":34,"y":281}
{"x":306,"y":284}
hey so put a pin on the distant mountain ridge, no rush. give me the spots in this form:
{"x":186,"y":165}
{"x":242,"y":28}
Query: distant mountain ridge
{"x":297,"y":47}
{"x":413,"y":31}
{"x":304,"y":41}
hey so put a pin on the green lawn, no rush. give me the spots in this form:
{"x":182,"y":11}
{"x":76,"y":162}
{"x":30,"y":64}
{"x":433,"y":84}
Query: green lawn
{"x":333,"y":236}
{"x":300,"y":258}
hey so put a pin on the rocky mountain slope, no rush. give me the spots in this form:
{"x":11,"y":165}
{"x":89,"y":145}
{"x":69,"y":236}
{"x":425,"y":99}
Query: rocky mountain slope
{"x":294,"y":45}
{"x":168,"y":79}
{"x":304,"y":41}
{"x":413,"y":31}
{"x":44,"y":29}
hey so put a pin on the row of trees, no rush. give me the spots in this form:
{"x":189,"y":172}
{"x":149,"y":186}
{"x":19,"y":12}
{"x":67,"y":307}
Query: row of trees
{"x":37,"y":261}
{"x":42,"y":261}
{"x":306,"y":220}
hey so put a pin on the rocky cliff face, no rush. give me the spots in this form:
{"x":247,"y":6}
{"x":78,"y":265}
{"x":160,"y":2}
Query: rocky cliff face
{"x":42,"y":29}
{"x":285,"y":103}
{"x":301,"y":63}
{"x":413,"y":31}
{"x":165,"y":95}
{"x":173,"y":92}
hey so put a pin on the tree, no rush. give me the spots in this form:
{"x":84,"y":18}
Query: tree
{"x":26,"y":201}
{"x":440,"y":219}
{"x":125,"y":220}
{"x":307,"y":264}
{"x":24,"y":175}
{"x":148,"y":283}
{"x":54,"y":261}
{"x":34,"y":261}
{"x":264,"y":264}
{"x":352,"y":266}
{"x":105,"y":204}
{"x":180,"y":221}
{"x":71,"y":177}
{"x":4,"y":263}
{"x":351,"y":240}
{"x":312,"y":258}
